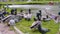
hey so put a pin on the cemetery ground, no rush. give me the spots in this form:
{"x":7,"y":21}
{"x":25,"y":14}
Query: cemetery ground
{"x":24,"y":26}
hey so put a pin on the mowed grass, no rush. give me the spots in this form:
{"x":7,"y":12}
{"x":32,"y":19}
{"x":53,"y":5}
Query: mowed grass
{"x":32,"y":2}
{"x":24,"y":26}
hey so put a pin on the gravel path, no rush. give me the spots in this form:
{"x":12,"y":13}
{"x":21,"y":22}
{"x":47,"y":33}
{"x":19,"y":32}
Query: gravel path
{"x":5,"y":29}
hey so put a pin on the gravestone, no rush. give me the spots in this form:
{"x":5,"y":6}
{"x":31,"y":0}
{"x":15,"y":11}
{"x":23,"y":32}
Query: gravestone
{"x":4,"y":0}
{"x":29,"y":0}
{"x":58,"y":13}
{"x":11,"y":0}
{"x":14,"y":11}
{"x":59,"y":17}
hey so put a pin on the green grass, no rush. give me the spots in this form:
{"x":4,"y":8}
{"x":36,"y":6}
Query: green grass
{"x":24,"y":26}
{"x":25,"y":2}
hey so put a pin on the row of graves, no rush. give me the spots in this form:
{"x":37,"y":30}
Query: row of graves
{"x":14,"y":17}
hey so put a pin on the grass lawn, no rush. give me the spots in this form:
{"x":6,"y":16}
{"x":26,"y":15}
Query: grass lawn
{"x":24,"y":26}
{"x":25,"y":2}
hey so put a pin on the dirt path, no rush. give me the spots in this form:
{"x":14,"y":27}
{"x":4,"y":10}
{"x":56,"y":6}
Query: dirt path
{"x":5,"y":29}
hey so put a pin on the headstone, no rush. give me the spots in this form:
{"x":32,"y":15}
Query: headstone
{"x":39,"y":15}
{"x":29,"y":1}
{"x":11,"y":0}
{"x":14,"y":11}
{"x":21,"y":0}
{"x":29,"y":10}
{"x":4,"y":0}
{"x":17,"y":0}
{"x":59,"y":17}
{"x":58,"y":13}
